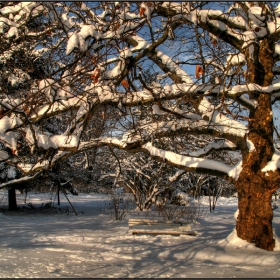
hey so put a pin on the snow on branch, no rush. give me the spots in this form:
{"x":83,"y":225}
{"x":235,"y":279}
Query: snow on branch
{"x":133,"y":142}
{"x":223,"y":128}
{"x":274,"y":163}
{"x":176,"y":176}
{"x":45,"y":141}
{"x":222,"y":123}
{"x":212,"y":20}
{"x":67,"y":100}
{"x":195,"y":164}
{"x":56,"y":108}
{"x":174,"y":67}
{"x":6,"y":134}
{"x":217,"y":144}
{"x":19,"y":181}
{"x":254,"y":88}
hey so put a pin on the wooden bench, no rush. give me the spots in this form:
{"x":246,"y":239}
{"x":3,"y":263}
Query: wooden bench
{"x":155,"y":227}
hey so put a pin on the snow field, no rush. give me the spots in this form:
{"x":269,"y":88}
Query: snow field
{"x":93,"y":245}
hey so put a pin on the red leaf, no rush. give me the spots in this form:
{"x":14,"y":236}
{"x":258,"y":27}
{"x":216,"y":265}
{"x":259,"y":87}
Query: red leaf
{"x":95,"y":76}
{"x":142,"y":11}
{"x":125,"y":83}
{"x":214,"y":42}
{"x":198,"y":71}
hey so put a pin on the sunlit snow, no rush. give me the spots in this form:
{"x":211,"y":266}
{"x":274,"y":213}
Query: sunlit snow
{"x":93,"y":245}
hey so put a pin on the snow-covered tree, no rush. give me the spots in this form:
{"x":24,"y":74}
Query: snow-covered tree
{"x":20,"y":66}
{"x":148,"y":180}
{"x":216,"y":70}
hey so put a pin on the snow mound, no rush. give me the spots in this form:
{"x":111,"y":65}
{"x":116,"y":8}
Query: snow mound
{"x":236,"y":214}
{"x":234,"y":240}
{"x":277,"y":240}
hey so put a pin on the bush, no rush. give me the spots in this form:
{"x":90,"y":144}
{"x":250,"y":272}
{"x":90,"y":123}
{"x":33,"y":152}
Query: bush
{"x":191,"y":213}
{"x":120,"y":205}
{"x":180,"y":198}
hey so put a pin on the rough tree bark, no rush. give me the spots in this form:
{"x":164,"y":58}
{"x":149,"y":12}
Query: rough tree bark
{"x":254,"y":187}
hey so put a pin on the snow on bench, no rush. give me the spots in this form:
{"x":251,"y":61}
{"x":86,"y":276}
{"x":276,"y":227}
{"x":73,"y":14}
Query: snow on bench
{"x":155,"y":227}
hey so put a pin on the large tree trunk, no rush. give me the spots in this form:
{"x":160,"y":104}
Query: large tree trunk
{"x":254,"y":222}
{"x":255,"y":188}
{"x":12,"y":198}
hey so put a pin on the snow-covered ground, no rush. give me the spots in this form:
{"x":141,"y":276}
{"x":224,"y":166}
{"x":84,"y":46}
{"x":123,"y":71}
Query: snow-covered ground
{"x":91,"y":244}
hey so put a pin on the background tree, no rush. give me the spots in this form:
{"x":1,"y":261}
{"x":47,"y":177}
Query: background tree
{"x":147,"y":179}
{"x":216,"y":66}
